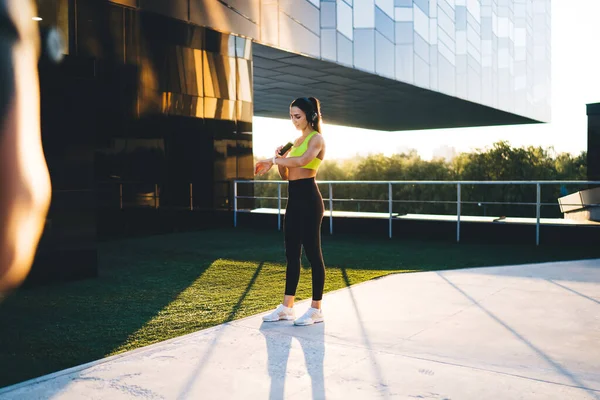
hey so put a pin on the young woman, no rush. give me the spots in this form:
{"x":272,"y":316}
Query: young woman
{"x":304,"y":212}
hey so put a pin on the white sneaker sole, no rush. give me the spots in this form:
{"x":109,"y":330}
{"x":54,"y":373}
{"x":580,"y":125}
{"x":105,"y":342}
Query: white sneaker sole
{"x":314,"y":321}
{"x":286,"y":318}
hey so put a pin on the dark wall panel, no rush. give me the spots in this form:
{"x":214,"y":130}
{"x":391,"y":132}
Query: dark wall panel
{"x":593,"y":152}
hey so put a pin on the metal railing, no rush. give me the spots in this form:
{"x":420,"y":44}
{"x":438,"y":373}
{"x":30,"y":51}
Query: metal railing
{"x":459,"y":202}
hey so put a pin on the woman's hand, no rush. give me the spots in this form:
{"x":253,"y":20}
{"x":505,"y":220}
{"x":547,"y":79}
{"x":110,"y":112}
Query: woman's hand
{"x":263,"y":166}
{"x":277,"y":150}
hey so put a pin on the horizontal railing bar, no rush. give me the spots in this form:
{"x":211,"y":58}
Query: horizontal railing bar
{"x":438,"y":182}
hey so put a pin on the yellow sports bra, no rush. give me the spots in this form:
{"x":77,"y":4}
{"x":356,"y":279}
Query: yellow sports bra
{"x":298,"y":151}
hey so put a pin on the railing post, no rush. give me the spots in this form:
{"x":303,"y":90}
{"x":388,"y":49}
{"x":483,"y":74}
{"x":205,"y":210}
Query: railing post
{"x":458,"y":206}
{"x":330,"y":209}
{"x":235,"y":203}
{"x":156,"y":195}
{"x":390,"y":206}
{"x":191,"y":198}
{"x":537,"y":213}
{"x":121,"y":196}
{"x":279,"y":206}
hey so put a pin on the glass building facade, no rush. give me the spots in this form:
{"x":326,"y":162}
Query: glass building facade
{"x":152,"y":106}
{"x":492,"y":52}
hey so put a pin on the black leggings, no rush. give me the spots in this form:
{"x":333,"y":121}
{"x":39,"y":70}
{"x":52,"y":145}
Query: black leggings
{"x":302,"y":227}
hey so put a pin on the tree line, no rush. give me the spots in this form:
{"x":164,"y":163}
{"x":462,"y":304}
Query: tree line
{"x":500,"y":162}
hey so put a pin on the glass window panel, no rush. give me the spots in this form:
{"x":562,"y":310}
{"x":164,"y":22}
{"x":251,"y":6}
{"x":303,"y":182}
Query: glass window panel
{"x":217,"y":42}
{"x":474,"y":63}
{"x":421,"y":23}
{"x":245,"y":160}
{"x":404,"y":63}
{"x":328,"y":15}
{"x":344,"y":19}
{"x":461,"y":18}
{"x":230,"y":45}
{"x":403,"y":14}
{"x":384,"y":24}
{"x":364,"y":14}
{"x":520,"y":54}
{"x":132,"y":32}
{"x":244,"y":75}
{"x":433,"y":31}
{"x":447,"y":40}
{"x":486,"y":47}
{"x":329,"y":44}
{"x":520,"y":37}
{"x":403,"y":3}
{"x":298,"y":38}
{"x":303,"y":12}
{"x":316,"y":3}
{"x":461,"y":42}
{"x":446,"y":8}
{"x":486,"y":61}
{"x":474,"y":9}
{"x":244,"y":111}
{"x":433,"y":9}
{"x":539,"y":6}
{"x":462,"y":86}
{"x":486,"y":28}
{"x":474,"y":23}
{"x":503,"y":26}
{"x":422,"y":48}
{"x":345,"y":51}
{"x":474,"y":88}
{"x":433,"y":77}
{"x":384,"y":50}
{"x":433,"y":56}
{"x":422,"y":5}
{"x":404,"y":32}
{"x":473,"y":38}
{"x":219,"y":76}
{"x":219,"y":108}
{"x":446,"y":24}
{"x":446,"y":76}
{"x":387,"y":6}
{"x":503,"y":58}
{"x":421,"y":72}
{"x":447,"y":53}
{"x":364,"y":49}
{"x":269,"y":23}
{"x":116,"y":21}
{"x":175,"y":9}
{"x":486,"y":11}
{"x":461,"y":64}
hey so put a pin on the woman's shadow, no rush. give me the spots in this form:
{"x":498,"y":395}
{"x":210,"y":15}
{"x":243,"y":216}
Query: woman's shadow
{"x":279,"y":337}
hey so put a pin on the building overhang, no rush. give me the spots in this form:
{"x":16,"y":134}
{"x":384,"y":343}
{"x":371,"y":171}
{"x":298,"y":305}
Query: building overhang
{"x":351,"y":97}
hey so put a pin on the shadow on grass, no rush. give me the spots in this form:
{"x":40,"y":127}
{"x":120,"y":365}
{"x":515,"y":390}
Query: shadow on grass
{"x":47,"y":329}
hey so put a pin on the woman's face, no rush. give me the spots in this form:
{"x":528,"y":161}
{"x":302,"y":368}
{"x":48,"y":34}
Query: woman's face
{"x":298,"y":118}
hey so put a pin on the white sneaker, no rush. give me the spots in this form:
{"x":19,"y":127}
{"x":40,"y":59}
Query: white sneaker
{"x":312,"y":316}
{"x":280,"y":313}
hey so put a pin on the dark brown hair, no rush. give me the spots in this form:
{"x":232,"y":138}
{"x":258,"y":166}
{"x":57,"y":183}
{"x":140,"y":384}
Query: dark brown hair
{"x":312,"y":108}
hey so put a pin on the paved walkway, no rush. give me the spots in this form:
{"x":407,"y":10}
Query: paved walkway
{"x":517,"y":332}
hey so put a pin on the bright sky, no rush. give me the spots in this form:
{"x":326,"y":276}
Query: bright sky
{"x":575,"y":82}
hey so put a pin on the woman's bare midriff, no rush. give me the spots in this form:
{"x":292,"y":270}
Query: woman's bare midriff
{"x":301,"y":173}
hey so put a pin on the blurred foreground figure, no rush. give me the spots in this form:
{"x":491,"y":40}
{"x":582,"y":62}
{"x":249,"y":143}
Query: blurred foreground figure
{"x":24,"y":179}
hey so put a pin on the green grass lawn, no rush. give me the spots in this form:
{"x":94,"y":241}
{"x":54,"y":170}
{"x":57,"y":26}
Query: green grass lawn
{"x":155,"y":288}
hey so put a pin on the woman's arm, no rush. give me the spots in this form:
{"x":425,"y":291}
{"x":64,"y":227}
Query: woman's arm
{"x":284,"y":172}
{"x":315,"y":145}
{"x":24,"y":179}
